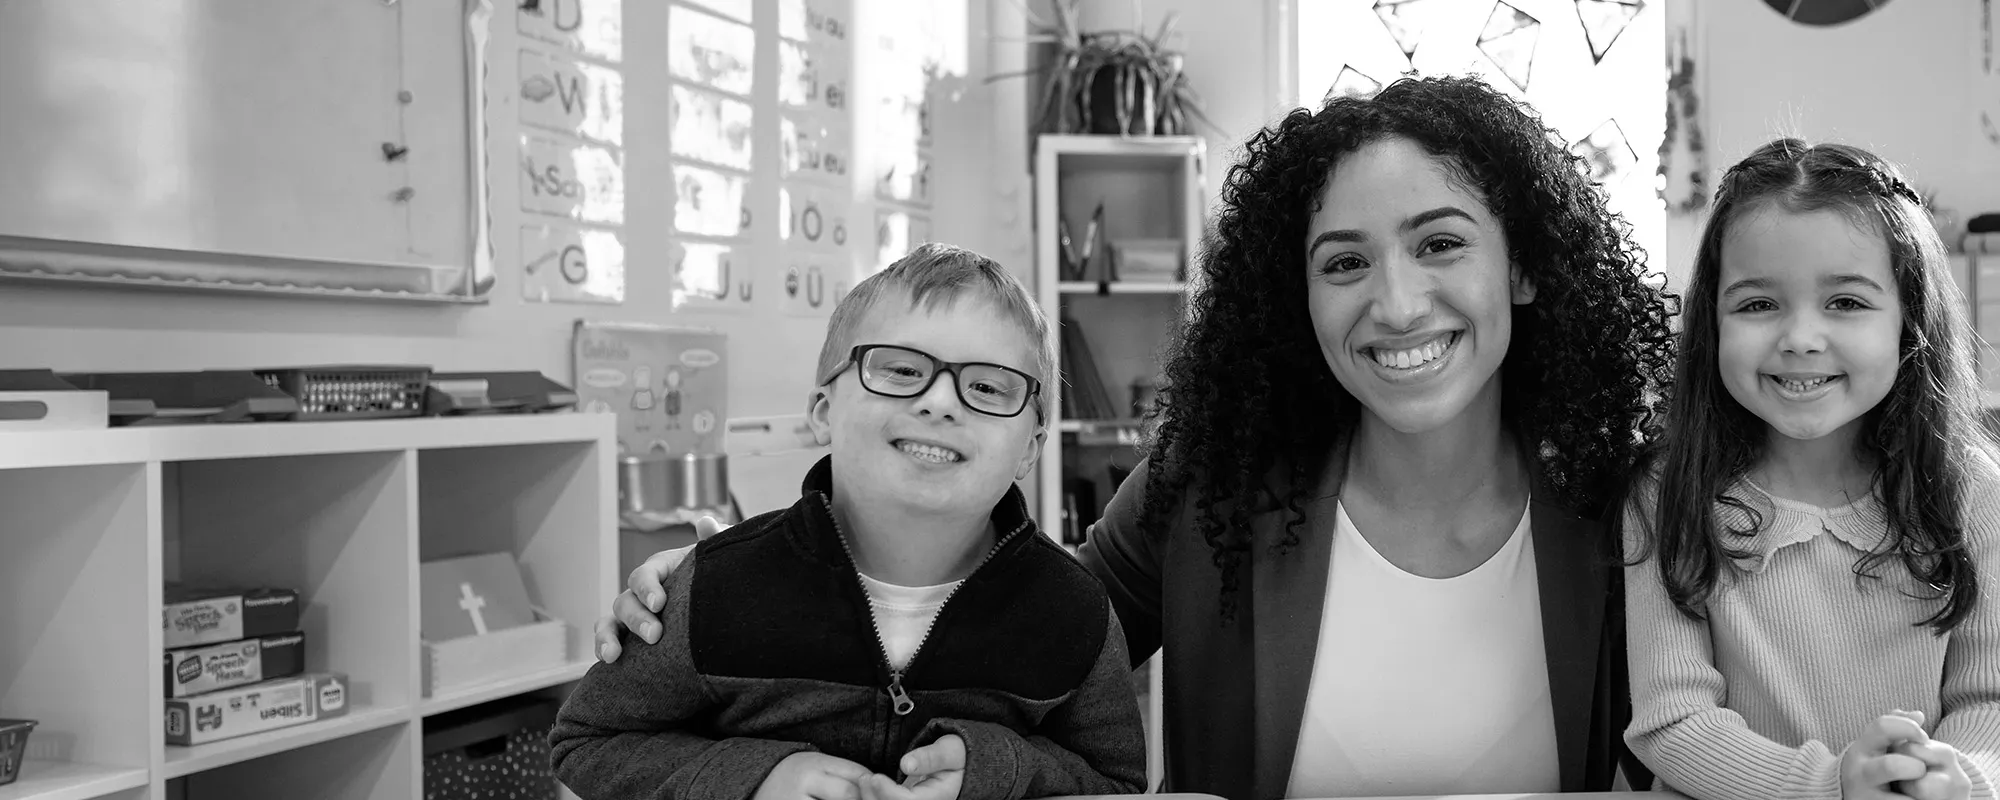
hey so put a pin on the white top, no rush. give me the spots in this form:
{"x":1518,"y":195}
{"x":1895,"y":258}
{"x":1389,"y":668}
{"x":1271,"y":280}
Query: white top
{"x":1797,"y":653}
{"x":903,"y":614}
{"x":1428,"y":686}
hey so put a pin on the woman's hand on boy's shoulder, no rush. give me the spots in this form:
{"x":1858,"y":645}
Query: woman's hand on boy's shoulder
{"x":637,"y":609}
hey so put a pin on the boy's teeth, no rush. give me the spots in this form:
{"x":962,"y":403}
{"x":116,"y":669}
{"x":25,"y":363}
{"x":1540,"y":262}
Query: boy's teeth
{"x":1414,"y":357}
{"x":930,"y":453}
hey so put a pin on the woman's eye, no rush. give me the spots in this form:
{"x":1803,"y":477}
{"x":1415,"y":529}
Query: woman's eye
{"x":1441,"y":244}
{"x":1342,"y":263}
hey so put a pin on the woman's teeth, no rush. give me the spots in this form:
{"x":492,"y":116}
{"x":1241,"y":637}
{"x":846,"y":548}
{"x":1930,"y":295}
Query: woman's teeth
{"x":930,"y":453}
{"x":1416,"y":356}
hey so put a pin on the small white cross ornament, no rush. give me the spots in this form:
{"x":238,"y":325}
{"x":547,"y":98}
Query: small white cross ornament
{"x":472,"y":602}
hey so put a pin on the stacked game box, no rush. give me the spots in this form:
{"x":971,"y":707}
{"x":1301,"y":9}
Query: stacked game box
{"x":235,"y":664}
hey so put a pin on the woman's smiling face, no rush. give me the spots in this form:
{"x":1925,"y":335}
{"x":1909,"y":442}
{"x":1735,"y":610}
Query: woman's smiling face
{"x":1410,"y":287}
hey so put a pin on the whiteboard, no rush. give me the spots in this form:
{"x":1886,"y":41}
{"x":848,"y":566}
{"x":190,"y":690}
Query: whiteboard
{"x":305,"y":145}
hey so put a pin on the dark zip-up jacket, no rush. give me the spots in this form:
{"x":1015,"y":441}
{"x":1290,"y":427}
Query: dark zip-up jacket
{"x":769,"y":648}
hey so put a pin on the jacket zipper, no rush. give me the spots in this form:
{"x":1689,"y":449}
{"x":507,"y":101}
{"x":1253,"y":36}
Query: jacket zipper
{"x":902,"y":704}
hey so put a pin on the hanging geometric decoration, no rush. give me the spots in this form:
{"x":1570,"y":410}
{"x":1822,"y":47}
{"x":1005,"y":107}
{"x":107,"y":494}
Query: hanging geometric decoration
{"x":1603,"y":20}
{"x":1351,"y":83}
{"x":1607,"y":152}
{"x":1509,"y":39}
{"x":1405,"y":21}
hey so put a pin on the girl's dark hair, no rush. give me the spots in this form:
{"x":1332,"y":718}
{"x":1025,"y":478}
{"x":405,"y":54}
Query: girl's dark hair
{"x":1249,"y":410}
{"x":1925,"y":440}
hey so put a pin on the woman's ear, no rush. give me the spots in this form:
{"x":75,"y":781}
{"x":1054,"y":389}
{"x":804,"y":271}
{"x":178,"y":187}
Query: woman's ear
{"x":1522,"y":287}
{"x":819,"y":407}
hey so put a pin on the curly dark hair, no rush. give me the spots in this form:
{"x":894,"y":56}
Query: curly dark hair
{"x":1248,"y":396}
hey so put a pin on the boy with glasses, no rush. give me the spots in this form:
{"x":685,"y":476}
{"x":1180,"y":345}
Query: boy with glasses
{"x":903,"y":631}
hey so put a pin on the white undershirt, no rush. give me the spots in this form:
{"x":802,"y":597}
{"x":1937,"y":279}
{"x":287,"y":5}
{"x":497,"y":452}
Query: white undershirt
{"x":903,"y":614}
{"x":1427,"y":686}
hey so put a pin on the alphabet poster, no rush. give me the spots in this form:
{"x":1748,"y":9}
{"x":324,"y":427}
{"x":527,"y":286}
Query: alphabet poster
{"x":711,"y":59}
{"x":569,"y":93}
{"x":816,"y":162}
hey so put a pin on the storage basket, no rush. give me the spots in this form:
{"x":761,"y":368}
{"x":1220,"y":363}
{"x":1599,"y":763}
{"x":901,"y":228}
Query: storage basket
{"x":13,"y":747}
{"x":499,"y":750}
{"x":470,"y":661}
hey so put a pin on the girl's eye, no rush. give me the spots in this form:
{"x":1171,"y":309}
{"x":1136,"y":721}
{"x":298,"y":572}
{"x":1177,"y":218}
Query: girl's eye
{"x":1755,"y":306}
{"x":1848,"y":304}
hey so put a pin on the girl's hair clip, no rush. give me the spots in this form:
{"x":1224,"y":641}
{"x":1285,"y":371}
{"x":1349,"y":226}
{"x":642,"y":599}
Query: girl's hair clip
{"x":1894,"y":186}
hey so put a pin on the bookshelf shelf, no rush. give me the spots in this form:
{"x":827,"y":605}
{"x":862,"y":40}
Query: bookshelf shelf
{"x":1144,"y":188}
{"x":1122,"y":287}
{"x":63,"y":780}
{"x":200,"y":758}
{"x":534,"y":681}
{"x":340,"y":512}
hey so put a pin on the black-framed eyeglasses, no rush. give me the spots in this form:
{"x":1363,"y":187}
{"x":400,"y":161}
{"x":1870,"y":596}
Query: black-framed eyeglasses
{"x":892,"y":371}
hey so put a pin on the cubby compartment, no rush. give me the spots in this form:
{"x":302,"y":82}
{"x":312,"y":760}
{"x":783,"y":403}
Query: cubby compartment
{"x":546,"y":506}
{"x":338,"y":529}
{"x":99,"y":521}
{"x":79,"y":627}
{"x":376,"y":764}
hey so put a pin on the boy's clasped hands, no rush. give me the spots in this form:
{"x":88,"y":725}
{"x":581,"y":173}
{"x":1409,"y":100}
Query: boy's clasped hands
{"x":936,"y":772}
{"x":1893,"y":758}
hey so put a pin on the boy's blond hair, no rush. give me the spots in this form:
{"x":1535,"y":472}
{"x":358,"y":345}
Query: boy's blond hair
{"x":934,"y":276}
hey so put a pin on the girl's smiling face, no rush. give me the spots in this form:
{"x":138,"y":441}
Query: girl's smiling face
{"x":1410,"y":287}
{"x":1809,"y":323}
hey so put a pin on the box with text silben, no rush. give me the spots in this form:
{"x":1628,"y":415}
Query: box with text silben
{"x":256,"y":708}
{"x":206,"y":615}
{"x":206,"y":668}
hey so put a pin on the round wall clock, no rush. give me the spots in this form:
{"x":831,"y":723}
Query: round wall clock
{"x":1824,"y":12}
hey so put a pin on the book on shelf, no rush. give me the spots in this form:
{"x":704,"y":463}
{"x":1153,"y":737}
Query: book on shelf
{"x":1085,"y":397}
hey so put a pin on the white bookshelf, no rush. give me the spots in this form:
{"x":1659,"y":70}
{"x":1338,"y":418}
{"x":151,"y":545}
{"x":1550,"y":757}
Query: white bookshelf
{"x":1150,"y":188}
{"x":342,"y":512}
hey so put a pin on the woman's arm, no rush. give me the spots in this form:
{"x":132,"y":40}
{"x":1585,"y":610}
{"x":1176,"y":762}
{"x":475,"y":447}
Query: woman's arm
{"x":1127,"y":558}
{"x":637,"y":608}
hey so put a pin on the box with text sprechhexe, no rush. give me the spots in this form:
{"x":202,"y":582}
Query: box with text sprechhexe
{"x":206,"y":615}
{"x":206,"y":668}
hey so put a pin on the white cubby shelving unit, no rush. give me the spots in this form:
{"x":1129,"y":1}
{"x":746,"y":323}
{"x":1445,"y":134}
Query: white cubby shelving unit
{"x":1149,"y":188}
{"x":341,"y":512}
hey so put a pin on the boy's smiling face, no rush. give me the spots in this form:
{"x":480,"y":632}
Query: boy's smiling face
{"x":929,"y":453}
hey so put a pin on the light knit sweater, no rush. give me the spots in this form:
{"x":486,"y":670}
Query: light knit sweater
{"x":1798,"y":654}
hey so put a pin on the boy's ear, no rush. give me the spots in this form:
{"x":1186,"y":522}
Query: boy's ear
{"x":818,"y":403}
{"x":1033,"y":453}
{"x":1522,"y":286}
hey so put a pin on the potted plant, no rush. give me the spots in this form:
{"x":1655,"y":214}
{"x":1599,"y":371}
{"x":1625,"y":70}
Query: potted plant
{"x":1109,"y":82}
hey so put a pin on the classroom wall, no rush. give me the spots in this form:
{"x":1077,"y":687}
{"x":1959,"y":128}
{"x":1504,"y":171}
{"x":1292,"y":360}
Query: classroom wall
{"x":1906,"y":80}
{"x":77,"y":329}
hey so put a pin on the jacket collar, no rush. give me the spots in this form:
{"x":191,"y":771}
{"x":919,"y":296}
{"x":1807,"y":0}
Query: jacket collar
{"x":819,"y":537}
{"x":1288,"y":596}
